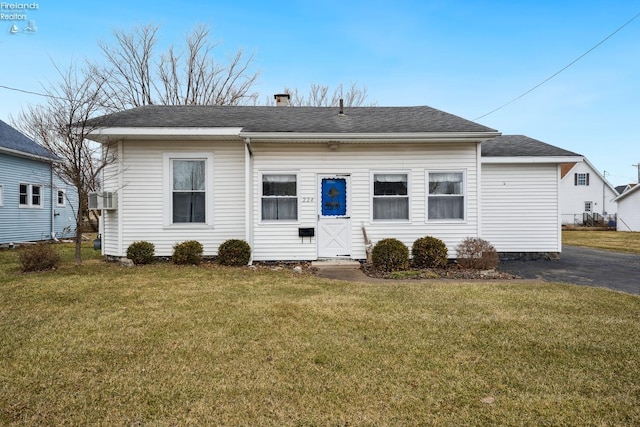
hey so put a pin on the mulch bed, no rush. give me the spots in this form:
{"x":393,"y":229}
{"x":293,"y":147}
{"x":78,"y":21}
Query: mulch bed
{"x":451,"y":271}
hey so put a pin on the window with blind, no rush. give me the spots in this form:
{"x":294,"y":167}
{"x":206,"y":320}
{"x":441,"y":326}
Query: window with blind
{"x":390,"y":196}
{"x":279,"y":197}
{"x":446,"y":196}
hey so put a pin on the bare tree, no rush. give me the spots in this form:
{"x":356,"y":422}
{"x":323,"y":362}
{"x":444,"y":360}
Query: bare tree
{"x":136,"y":74}
{"x":320,"y":96}
{"x":60,"y":125}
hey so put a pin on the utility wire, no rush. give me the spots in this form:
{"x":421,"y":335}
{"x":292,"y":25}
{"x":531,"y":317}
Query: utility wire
{"x":558,"y":72}
{"x":29,"y":92}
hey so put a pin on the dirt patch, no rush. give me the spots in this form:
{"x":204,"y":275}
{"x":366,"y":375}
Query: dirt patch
{"x":451,"y":271}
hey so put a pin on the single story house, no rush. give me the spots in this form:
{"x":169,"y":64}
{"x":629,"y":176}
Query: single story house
{"x":35,"y":204}
{"x":306,"y":183}
{"x":629,"y":210}
{"x":586,"y":194}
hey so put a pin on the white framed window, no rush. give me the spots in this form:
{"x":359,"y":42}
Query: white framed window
{"x":446,"y":195}
{"x":279,"y":196}
{"x":188,"y":188}
{"x":581,"y":179}
{"x":30,"y":195}
{"x":588,"y":206}
{"x":61,"y":199}
{"x":390,"y":196}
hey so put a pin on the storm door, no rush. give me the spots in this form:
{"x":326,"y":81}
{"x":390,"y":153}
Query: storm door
{"x":334,"y":217}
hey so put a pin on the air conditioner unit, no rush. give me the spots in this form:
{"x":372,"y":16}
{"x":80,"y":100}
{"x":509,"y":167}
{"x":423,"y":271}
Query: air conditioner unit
{"x":107,"y":200}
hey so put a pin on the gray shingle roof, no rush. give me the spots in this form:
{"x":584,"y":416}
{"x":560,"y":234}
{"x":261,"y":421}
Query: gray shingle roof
{"x":12,"y":139}
{"x":294,"y":119}
{"x":521,"y":146}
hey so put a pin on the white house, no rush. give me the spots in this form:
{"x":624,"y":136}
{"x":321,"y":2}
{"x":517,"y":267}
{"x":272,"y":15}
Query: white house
{"x":629,"y":210}
{"x":584,"y":190}
{"x":302,"y":183}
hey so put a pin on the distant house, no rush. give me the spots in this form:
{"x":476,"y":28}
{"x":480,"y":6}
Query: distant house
{"x":585,"y":194}
{"x":622,"y":188}
{"x":629,"y":210}
{"x":303,"y":183}
{"x":35,"y":204}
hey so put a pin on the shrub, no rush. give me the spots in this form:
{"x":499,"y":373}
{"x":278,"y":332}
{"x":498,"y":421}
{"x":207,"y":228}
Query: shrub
{"x":390,"y":255}
{"x":429,"y":252}
{"x":141,"y":252}
{"x":188,"y":252}
{"x":234,"y":252}
{"x":38,"y":257}
{"x":477,"y":254}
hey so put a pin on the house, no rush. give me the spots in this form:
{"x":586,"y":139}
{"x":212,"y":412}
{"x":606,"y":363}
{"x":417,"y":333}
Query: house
{"x":586,"y":195}
{"x":622,"y":188}
{"x":305,"y":183}
{"x":629,"y":210}
{"x":35,"y":204}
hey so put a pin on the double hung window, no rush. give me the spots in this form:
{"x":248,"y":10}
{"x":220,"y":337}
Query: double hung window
{"x":446,"y":195}
{"x":390,"y":196}
{"x":30,"y":195}
{"x":279,"y":197}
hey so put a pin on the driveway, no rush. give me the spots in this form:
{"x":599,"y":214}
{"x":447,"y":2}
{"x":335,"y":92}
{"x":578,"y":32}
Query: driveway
{"x":583,"y":266}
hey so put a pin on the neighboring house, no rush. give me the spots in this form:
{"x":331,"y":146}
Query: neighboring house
{"x":629,"y":210}
{"x":586,"y":194}
{"x":34,"y":203}
{"x":303,"y":183}
{"x":622,"y":188}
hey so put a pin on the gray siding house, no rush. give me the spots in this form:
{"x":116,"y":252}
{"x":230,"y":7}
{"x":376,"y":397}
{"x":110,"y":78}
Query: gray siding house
{"x":35,"y":204}
{"x":303,"y":183}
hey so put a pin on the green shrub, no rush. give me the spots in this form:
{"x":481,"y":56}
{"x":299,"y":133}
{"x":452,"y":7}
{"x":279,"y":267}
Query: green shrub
{"x":188,"y":252}
{"x":390,"y":255}
{"x":141,"y":252}
{"x":234,"y":252}
{"x":38,"y":257}
{"x":429,"y":252}
{"x":477,"y":253}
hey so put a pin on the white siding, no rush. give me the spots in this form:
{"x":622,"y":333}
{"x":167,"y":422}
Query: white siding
{"x":520,"y":211}
{"x":141,"y":201}
{"x":573,"y":197}
{"x":629,"y":212}
{"x":281,"y":242}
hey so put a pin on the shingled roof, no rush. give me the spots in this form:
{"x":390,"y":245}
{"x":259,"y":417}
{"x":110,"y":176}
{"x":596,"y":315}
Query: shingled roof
{"x":293,"y":119}
{"x":521,"y":146}
{"x":14,"y":141}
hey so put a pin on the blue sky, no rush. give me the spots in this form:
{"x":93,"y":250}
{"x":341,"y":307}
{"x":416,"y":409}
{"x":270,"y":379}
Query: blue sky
{"x":463,"y":57}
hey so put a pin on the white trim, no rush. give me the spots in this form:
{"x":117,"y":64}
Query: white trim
{"x":108,"y":134}
{"x":532,"y":159}
{"x":375,"y":172}
{"x":261,"y":173}
{"x":29,"y":204}
{"x":248,"y":196}
{"x":1,"y":195}
{"x":28,"y":155}
{"x":462,"y":220}
{"x":407,"y":137}
{"x":167,"y":188}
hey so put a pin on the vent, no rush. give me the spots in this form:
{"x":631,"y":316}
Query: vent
{"x":107,"y":200}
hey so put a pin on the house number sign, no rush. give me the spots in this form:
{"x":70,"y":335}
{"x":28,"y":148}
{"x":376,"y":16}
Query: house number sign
{"x":308,"y":199}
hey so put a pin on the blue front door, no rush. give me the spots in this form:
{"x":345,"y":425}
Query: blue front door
{"x":334,"y":222}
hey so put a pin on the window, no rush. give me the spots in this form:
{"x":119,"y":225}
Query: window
{"x":446,"y":195}
{"x":390,"y":196}
{"x":581,"y":179}
{"x":279,"y":197}
{"x":588,"y":206}
{"x":189,"y":192}
{"x":61,"y":200}
{"x":30,"y":195}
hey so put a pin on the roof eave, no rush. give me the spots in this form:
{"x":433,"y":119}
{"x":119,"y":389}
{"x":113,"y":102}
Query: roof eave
{"x":29,"y":155}
{"x":110,"y":134}
{"x":408,"y":137}
{"x":531,"y":159}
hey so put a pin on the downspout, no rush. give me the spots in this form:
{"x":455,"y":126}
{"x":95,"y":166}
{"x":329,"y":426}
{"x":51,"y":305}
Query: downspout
{"x":479,"y":188}
{"x":558,"y":212}
{"x":120,"y":202}
{"x":248,"y":192}
{"x":53,"y":212}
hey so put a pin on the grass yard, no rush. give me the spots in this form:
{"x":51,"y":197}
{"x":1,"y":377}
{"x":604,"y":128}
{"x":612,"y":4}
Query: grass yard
{"x":162,"y":345}
{"x":620,"y":241}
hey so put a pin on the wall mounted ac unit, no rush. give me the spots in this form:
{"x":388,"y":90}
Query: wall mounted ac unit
{"x":107,"y":200}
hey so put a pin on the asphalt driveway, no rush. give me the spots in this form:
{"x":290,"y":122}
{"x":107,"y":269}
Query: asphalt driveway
{"x":583,"y":266}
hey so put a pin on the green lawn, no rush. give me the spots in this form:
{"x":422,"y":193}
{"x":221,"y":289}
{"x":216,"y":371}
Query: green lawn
{"x":163,"y":345}
{"x":620,"y":241}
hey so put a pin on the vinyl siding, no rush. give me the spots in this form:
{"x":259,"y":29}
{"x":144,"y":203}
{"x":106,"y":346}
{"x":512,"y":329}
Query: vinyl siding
{"x":138,"y":181}
{"x":280,"y":241}
{"x":520,"y":207}
{"x":18,"y":224}
{"x":629,"y":213}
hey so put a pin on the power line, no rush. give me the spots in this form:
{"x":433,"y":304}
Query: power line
{"x":561,"y":70}
{"x":30,"y":92}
